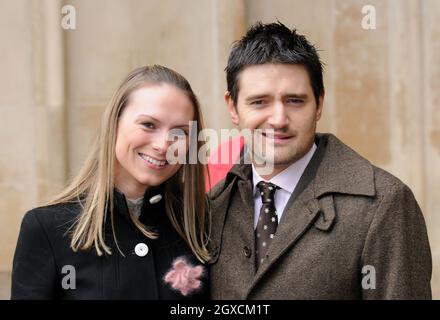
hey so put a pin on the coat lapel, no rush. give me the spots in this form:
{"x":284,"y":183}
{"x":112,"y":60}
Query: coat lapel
{"x":334,"y":168}
{"x":238,"y":179}
{"x":295,"y":222}
{"x":245,"y":189}
{"x":300,"y":213}
{"x":219,"y":205}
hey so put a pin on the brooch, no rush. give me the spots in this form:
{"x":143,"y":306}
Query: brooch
{"x":184,"y":277}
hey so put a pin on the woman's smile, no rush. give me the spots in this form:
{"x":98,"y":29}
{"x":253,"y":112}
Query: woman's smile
{"x":152,"y":162}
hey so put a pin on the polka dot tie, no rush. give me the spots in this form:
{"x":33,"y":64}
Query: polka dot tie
{"x":267,"y":221}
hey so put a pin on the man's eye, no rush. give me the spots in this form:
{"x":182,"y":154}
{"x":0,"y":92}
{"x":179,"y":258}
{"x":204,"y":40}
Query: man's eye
{"x":148,"y":125}
{"x":295,"y":101}
{"x":257,"y":102}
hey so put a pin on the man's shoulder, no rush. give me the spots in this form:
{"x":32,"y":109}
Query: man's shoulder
{"x":387,"y":184}
{"x":341,"y":169}
{"x":216,"y":190}
{"x":349,"y":170}
{"x":382,"y":176}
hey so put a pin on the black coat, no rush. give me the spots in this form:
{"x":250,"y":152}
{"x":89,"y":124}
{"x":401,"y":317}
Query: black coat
{"x":43,"y":250}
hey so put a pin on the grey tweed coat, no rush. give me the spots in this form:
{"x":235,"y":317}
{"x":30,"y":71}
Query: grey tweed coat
{"x":350,"y":231}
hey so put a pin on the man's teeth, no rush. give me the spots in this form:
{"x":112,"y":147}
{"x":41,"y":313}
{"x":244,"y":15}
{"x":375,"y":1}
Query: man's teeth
{"x":159,"y":163}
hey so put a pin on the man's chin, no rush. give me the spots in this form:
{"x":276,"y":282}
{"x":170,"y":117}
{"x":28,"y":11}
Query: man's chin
{"x":276,"y":160}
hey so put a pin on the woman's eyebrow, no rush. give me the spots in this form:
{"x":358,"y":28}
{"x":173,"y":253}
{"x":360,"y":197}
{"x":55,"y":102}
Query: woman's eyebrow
{"x":143,"y":116}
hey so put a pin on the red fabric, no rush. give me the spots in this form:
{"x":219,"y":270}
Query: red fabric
{"x":218,"y":167}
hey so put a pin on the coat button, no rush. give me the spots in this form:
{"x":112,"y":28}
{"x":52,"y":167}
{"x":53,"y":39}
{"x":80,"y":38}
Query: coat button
{"x":247,"y":251}
{"x":141,"y":249}
{"x":155,"y":199}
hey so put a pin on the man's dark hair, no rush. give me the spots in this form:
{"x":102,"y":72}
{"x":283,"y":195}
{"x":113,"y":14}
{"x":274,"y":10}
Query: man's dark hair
{"x":273,"y":43}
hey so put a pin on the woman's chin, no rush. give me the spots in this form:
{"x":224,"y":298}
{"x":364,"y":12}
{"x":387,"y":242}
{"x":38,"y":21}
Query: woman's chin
{"x":153,"y":181}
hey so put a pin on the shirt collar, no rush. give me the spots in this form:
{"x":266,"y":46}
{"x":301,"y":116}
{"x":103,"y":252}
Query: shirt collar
{"x":289,"y":177}
{"x":334,"y":167}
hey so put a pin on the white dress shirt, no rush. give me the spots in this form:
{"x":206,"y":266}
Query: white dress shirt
{"x":286,"y":180}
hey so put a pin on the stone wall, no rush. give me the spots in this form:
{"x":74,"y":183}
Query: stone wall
{"x":382,"y":85}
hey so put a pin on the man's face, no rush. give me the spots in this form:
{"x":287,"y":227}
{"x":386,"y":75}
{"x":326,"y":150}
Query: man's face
{"x":278,"y":97}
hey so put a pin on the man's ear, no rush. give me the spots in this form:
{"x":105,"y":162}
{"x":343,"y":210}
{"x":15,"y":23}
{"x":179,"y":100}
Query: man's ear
{"x":319,"y":107}
{"x":231,"y":108}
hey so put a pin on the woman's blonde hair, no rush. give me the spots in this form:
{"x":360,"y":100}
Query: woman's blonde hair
{"x":93,"y":187}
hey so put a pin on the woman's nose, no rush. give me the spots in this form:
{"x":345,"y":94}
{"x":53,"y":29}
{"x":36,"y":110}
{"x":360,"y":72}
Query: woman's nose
{"x":161,"y":142}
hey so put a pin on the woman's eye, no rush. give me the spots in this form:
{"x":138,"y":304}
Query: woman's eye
{"x":148,"y":125}
{"x":178,"y":133}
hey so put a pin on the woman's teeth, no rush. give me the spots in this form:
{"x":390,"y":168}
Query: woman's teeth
{"x":159,"y":163}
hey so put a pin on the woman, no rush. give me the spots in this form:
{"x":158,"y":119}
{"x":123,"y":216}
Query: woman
{"x":132,"y":223}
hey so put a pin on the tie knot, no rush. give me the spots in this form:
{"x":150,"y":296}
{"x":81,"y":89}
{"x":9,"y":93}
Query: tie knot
{"x":267,"y":191}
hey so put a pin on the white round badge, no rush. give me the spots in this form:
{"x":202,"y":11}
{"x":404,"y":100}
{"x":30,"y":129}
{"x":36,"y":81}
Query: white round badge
{"x":141,"y":249}
{"x":155,"y":199}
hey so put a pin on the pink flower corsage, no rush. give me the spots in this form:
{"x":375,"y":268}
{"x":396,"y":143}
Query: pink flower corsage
{"x":184,"y":276}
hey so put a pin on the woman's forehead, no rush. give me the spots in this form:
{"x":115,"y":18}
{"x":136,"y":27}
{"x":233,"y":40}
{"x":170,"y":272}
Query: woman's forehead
{"x":164,"y":103}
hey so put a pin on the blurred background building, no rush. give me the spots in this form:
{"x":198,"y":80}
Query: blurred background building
{"x":382,"y":84}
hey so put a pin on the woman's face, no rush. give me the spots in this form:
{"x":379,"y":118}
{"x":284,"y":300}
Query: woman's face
{"x":143,"y":137}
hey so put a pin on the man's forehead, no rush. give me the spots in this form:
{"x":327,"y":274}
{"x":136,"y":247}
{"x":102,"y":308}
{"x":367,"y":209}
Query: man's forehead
{"x":286,"y":77}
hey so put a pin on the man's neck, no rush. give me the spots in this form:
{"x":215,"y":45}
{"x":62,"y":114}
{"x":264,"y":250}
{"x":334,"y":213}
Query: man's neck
{"x":276,"y":170}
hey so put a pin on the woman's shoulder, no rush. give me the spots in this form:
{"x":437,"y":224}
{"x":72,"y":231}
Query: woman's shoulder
{"x":51,"y":217}
{"x":65,"y":209}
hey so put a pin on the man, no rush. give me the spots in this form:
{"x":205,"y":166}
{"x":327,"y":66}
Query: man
{"x":324,"y":223}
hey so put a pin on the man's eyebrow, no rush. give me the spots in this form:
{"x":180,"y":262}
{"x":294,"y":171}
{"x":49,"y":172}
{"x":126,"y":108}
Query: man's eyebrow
{"x":296,"y":95}
{"x":287,"y":95}
{"x":257,"y":96}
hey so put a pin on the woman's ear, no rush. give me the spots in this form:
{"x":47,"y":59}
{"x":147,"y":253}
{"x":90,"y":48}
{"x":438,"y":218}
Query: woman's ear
{"x":232,"y":109}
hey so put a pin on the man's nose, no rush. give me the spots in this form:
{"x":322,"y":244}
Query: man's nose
{"x":278,"y":118}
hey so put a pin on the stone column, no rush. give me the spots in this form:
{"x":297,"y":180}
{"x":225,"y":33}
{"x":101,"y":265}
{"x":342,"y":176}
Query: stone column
{"x":33,"y":146}
{"x":430,"y":11}
{"x":113,"y":37}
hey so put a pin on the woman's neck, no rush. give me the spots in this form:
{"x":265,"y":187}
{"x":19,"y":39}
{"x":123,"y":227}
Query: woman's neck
{"x":131,"y":191}
{"x":129,"y":186}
